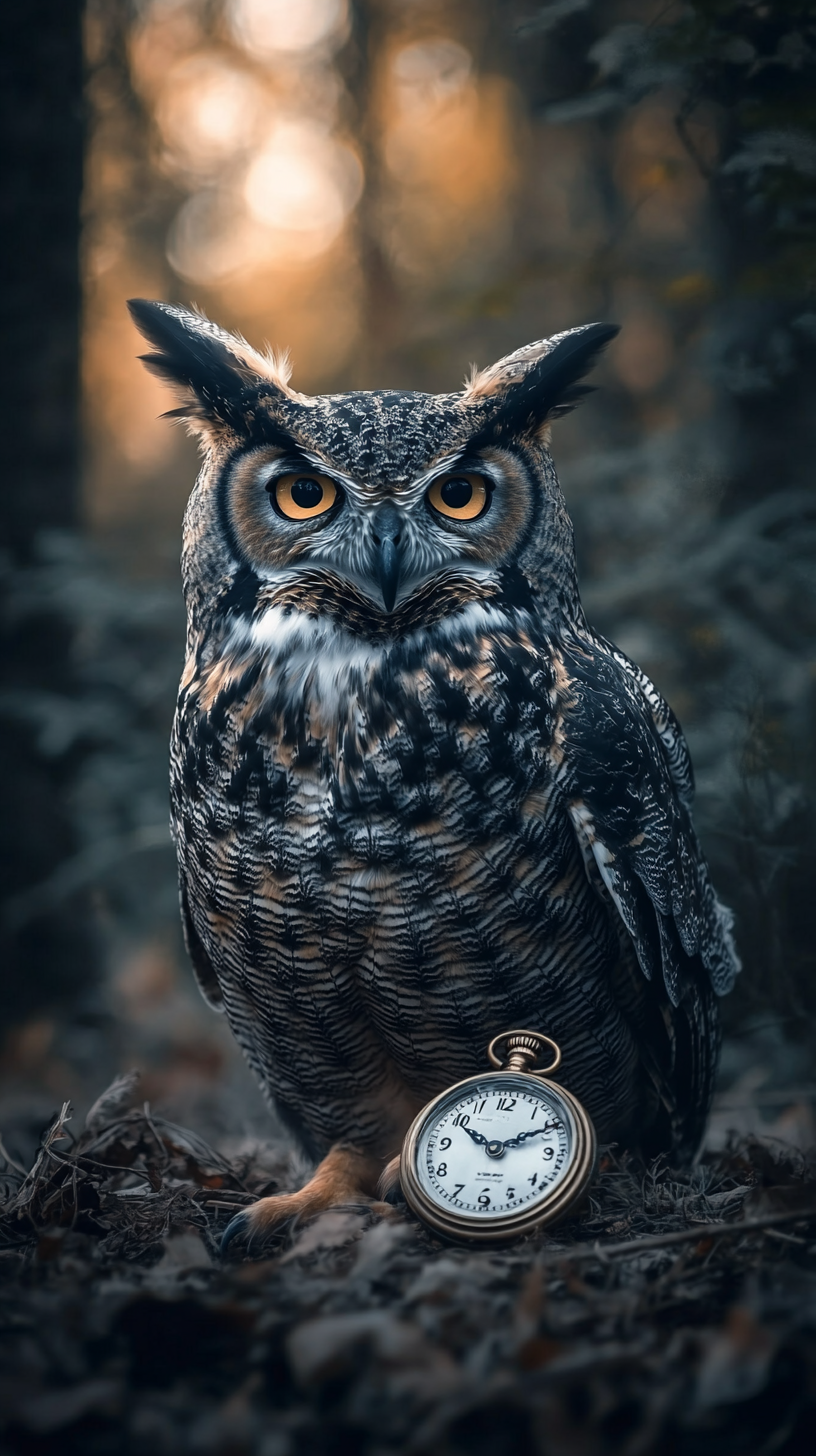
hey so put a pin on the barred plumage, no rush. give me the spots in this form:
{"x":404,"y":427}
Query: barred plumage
{"x":416,"y":799}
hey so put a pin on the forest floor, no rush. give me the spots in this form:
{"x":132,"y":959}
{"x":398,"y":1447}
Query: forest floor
{"x":677,"y":1315}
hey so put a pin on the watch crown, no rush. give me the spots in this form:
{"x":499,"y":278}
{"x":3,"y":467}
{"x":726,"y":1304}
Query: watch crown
{"x":523,"y":1048}
{"x":517,"y":1051}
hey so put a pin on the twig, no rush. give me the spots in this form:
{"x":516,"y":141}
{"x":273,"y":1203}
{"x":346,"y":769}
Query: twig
{"x":70,"y":1160}
{"x":149,"y":1121}
{"x":787,"y":1238}
{"x":27,"y":1188}
{"x":237,"y":1193}
{"x":629,"y":1248}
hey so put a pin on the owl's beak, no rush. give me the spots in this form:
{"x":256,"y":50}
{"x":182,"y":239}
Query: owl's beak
{"x":387,"y":532}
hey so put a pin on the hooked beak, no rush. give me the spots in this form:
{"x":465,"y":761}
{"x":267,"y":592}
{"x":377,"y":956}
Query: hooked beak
{"x":387,"y":532}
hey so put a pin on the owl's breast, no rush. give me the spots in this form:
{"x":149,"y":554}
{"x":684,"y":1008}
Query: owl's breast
{"x":328,"y":794}
{"x":388,"y":854}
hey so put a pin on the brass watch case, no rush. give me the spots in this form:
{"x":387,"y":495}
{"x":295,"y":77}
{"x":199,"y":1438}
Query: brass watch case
{"x":472,"y":1229}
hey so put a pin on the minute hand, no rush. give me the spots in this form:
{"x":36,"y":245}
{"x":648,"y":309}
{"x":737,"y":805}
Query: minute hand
{"x":478,"y":1137}
{"x":533,"y":1132}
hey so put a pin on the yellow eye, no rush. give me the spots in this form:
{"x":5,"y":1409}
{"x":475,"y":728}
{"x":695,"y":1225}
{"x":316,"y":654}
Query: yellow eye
{"x":459,"y":497}
{"x":300,"y":496}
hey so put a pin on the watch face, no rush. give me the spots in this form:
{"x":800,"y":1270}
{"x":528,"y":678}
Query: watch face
{"x":494,"y":1147}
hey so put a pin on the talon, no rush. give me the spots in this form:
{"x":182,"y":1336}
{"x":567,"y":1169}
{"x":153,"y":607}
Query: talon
{"x":345,"y":1178}
{"x":235,"y":1228}
{"x":389,"y":1188}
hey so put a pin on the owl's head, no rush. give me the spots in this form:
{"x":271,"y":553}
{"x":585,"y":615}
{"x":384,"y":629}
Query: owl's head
{"x":384,"y":510}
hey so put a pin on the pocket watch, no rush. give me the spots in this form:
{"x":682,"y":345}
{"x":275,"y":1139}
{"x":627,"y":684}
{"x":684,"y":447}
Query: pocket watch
{"x":503,"y":1153}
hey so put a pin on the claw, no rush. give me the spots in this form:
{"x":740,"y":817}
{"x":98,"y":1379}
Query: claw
{"x":345,"y":1176}
{"x":235,"y":1228}
{"x":389,"y":1188}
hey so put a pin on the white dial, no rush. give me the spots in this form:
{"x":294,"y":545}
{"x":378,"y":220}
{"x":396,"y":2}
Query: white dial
{"x":494,"y":1146}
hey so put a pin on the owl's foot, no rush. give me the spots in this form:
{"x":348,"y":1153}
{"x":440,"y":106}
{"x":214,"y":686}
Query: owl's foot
{"x":345,"y":1175}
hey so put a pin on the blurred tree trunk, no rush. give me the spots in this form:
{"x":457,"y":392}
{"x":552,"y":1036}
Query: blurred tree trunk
{"x":41,"y":108}
{"x":42,"y":127}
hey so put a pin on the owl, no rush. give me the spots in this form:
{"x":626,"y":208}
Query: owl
{"x":416,"y":799}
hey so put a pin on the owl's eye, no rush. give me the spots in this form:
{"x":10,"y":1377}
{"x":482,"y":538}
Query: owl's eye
{"x":299,"y":497}
{"x":459,"y":497}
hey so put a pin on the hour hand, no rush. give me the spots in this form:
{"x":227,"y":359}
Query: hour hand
{"x":531,"y":1132}
{"x":478,"y":1137}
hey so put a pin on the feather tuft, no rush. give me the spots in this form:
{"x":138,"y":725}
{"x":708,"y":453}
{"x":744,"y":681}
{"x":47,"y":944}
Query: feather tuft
{"x":210,"y":369}
{"x":538,"y":383}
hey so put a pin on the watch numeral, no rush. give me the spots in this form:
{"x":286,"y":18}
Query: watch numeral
{"x":458,"y":1189}
{"x":533,"y":1180}
{"x":511,"y":1193}
{"x":535,"y":1110}
{"x":484,"y":1197}
{"x":442,"y":1170}
{"x":461,"y":1119}
{"x":481,"y":1105}
{"x":445,"y":1144}
{"x":548,"y":1153}
{"x":506,"y":1104}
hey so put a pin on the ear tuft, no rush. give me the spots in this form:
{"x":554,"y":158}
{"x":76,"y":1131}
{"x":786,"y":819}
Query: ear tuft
{"x":539,"y":382}
{"x":485,"y":383}
{"x":209,"y":367}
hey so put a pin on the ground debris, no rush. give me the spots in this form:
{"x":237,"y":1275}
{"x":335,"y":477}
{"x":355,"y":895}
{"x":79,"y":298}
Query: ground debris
{"x":677,"y":1314}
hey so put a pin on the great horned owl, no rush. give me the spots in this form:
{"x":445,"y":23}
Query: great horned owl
{"x":416,"y":799}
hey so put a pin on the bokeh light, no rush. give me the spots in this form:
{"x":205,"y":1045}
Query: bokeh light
{"x":304,"y":182}
{"x":271,"y":28}
{"x":289,"y":207}
{"x":207,"y":112}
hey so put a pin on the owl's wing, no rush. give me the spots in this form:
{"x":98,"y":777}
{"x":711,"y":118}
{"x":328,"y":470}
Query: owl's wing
{"x":621,"y":764}
{"x":201,"y":963}
{"x":668,"y":729}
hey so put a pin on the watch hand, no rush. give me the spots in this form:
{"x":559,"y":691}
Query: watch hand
{"x":478,"y":1137}
{"x":533,"y":1132}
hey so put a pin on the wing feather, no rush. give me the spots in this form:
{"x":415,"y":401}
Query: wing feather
{"x":623,"y":767}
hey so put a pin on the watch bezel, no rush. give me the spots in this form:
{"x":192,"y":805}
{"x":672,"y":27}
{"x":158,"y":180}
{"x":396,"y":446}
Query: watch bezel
{"x":548,"y":1210}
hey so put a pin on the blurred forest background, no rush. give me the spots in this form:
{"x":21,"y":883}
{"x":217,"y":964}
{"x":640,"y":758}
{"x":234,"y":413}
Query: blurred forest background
{"x":393,"y":189}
